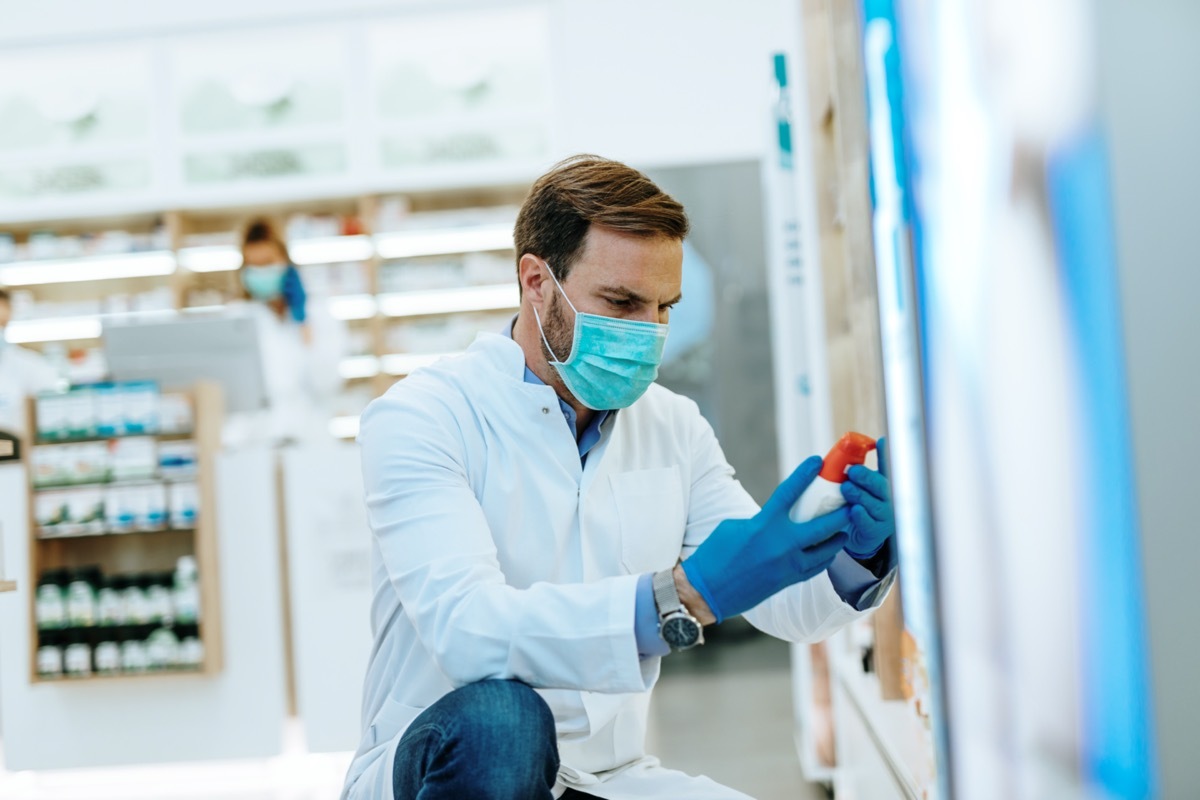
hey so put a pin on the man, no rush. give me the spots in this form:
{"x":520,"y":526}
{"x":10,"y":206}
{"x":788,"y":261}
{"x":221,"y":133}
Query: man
{"x":22,"y":373}
{"x":530,"y":501}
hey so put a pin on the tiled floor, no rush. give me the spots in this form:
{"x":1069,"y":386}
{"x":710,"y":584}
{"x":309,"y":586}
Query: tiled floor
{"x":723,"y":710}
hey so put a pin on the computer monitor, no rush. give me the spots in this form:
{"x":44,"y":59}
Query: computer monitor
{"x":179,"y":351}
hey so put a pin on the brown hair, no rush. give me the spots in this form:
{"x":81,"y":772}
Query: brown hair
{"x":263,"y":230}
{"x":586,"y":190}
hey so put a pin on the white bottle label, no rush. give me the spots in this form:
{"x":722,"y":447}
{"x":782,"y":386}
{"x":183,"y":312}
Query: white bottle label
{"x":108,"y":657}
{"x":50,"y":661}
{"x":819,"y":498}
{"x":79,"y":659}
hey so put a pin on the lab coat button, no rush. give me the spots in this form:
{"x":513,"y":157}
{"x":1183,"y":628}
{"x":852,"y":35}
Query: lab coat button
{"x":545,"y":410}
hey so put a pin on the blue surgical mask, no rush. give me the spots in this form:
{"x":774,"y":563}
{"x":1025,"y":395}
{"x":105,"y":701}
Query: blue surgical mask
{"x":264,"y":283}
{"x":612,"y":361}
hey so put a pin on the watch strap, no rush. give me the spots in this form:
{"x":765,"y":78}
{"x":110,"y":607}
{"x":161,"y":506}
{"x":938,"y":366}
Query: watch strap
{"x":666,"y":596}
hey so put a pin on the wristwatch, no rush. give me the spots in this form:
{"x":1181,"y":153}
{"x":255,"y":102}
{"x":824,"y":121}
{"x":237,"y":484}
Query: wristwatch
{"x":676,"y":626}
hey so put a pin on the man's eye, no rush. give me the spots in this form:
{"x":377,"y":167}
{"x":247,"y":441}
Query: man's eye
{"x":618,"y":303}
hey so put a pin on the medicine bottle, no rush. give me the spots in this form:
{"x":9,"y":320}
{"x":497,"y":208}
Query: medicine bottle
{"x":107,"y":654}
{"x":187,"y":591}
{"x":81,"y":597}
{"x":77,"y":657}
{"x":50,"y":607}
{"x":158,"y":586}
{"x":50,"y":654}
{"x":162,"y":649}
{"x":111,"y":601}
{"x":133,"y":648}
{"x":136,"y":610}
{"x":191,"y":649}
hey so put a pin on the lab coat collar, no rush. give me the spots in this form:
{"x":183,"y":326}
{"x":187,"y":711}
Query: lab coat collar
{"x":504,"y":355}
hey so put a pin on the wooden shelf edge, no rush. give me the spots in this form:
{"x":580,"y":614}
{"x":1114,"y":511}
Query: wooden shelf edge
{"x":110,"y":534}
{"x":124,"y":676}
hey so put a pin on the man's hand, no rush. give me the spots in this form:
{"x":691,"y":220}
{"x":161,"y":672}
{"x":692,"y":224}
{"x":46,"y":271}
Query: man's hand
{"x":869,"y":498}
{"x":691,"y":599}
{"x":745,"y":561}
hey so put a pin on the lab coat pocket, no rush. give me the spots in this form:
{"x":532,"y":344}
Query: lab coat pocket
{"x":650,"y":509}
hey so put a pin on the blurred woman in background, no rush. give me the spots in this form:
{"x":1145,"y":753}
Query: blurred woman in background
{"x":302,"y":345}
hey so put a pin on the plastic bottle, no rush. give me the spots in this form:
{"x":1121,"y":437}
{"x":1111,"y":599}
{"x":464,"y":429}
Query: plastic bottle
{"x":825,"y":492}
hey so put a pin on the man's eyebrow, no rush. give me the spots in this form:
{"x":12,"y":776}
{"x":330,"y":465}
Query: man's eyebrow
{"x":629,"y":294}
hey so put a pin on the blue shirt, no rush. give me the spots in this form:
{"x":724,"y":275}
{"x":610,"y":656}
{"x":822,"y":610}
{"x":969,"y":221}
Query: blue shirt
{"x":852,"y":581}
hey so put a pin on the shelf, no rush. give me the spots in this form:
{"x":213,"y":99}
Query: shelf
{"x":162,"y":437}
{"x":477,"y":239}
{"x":88,"y":268}
{"x":450,"y":301}
{"x":61,"y":329}
{"x":343,"y":427}
{"x":331,"y":250}
{"x":396,"y":364}
{"x":352,"y":306}
{"x":116,"y":483}
{"x":165,"y":673}
{"x":87,"y":326}
{"x":358,"y":367}
{"x":210,"y":258}
{"x":405,"y":363}
{"x":108,"y":534}
{"x":304,"y":252}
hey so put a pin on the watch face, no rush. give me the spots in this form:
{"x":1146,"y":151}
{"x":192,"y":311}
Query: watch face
{"x":680,"y":631}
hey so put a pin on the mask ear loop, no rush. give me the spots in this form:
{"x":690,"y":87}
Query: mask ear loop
{"x":538,"y":317}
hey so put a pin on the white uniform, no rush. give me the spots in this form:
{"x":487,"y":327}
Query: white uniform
{"x":496,"y":554}
{"x":301,"y":379}
{"x":22,"y":373}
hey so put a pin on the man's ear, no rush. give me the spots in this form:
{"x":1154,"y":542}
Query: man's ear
{"x":531,"y":273}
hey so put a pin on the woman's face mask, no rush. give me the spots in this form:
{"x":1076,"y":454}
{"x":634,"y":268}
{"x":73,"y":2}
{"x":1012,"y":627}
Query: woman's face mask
{"x":612,"y":361}
{"x":264,"y":283}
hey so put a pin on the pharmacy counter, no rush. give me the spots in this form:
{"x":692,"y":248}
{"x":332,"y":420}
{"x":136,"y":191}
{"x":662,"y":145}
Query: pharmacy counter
{"x":328,"y":545}
{"x":234,"y":711}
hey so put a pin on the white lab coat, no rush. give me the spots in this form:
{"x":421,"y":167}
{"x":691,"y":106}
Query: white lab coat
{"x":301,"y":379}
{"x":22,"y":373}
{"x":497,"y":555}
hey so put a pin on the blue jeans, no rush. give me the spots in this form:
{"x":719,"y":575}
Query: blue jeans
{"x":492,"y":740}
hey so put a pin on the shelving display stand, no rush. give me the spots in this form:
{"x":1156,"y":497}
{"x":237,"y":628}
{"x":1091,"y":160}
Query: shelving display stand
{"x":142,"y":550}
{"x":194,"y":259}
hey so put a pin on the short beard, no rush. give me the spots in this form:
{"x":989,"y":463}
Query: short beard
{"x":558,"y":332}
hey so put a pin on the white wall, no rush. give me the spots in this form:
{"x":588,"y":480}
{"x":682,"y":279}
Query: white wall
{"x":655,"y":82}
{"x":1150,"y":66}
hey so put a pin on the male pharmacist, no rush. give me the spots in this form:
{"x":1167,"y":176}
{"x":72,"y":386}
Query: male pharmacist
{"x":531,"y":501}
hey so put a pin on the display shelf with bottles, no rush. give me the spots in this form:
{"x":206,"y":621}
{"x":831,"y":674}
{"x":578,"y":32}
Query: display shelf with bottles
{"x":411,"y":277}
{"x":123,"y":532}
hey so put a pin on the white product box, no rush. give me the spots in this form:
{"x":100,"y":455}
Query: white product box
{"x":81,"y":413}
{"x":175,"y":413}
{"x":139,"y":403}
{"x":53,"y":417}
{"x":184,"y":502}
{"x":134,"y":458}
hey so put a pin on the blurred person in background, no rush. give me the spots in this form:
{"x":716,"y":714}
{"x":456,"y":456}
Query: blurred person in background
{"x":23,"y":373}
{"x":302,"y":345}
{"x":548,"y":524}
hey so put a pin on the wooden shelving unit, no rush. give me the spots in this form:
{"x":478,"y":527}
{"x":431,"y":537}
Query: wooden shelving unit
{"x":144,"y":550}
{"x":198,"y":247}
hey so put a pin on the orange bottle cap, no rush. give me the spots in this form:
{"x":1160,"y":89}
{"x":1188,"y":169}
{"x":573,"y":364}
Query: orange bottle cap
{"x":851,"y":449}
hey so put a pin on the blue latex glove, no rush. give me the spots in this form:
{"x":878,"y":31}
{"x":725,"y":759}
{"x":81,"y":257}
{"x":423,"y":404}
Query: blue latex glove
{"x":869,"y":498}
{"x":745,"y":561}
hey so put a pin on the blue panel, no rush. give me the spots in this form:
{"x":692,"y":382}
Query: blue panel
{"x":1118,"y":740}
